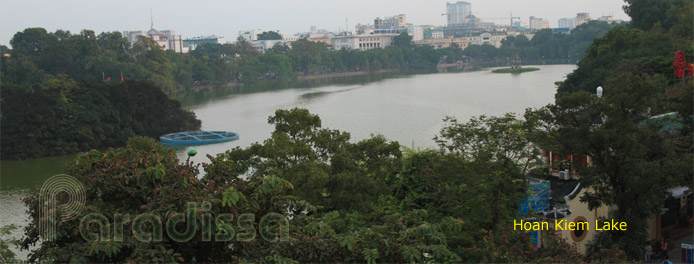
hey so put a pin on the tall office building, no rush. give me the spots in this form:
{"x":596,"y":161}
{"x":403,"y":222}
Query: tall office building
{"x":569,"y":23}
{"x":457,"y":12}
{"x":538,"y":23}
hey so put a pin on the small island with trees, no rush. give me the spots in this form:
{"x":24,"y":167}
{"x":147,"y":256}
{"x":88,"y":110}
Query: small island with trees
{"x":515,"y":66}
{"x":515,"y":70}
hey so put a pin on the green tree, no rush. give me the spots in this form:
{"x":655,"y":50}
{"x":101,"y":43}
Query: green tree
{"x":633,"y":162}
{"x":402,"y":40}
{"x":31,"y":42}
{"x":269,"y":35}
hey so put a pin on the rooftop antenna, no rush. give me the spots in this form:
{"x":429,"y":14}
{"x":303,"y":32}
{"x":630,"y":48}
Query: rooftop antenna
{"x":151,"y":19}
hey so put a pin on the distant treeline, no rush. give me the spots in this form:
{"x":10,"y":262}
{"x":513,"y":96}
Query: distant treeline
{"x":87,"y":56}
{"x":545,"y":45}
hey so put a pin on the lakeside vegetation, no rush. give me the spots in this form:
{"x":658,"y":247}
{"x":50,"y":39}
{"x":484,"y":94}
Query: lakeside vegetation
{"x":455,"y":203}
{"x":70,"y":65}
{"x":91,"y":56}
{"x":515,"y":70}
{"x":57,"y":115}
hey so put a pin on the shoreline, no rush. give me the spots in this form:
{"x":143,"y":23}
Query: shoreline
{"x":341,"y":74}
{"x":462,"y":66}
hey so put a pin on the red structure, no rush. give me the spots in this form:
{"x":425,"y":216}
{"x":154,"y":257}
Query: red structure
{"x":679,"y":64}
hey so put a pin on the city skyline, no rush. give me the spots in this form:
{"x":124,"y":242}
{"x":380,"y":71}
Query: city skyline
{"x":227,"y":18}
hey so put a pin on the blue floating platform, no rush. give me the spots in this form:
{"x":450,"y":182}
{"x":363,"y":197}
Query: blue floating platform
{"x":198,"y":137}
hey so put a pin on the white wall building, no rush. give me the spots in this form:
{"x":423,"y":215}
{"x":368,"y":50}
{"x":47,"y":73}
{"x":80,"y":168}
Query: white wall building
{"x":167,"y":39}
{"x":537,"y":23}
{"x":362,"y":42}
{"x":487,"y":38}
{"x":263,"y":46}
{"x":290,"y":38}
{"x":569,"y":23}
{"x":437,"y":34}
{"x":417,"y":32}
{"x":251,"y":34}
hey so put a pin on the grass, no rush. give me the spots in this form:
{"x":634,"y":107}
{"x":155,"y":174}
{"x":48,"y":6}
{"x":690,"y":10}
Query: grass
{"x":516,"y":70}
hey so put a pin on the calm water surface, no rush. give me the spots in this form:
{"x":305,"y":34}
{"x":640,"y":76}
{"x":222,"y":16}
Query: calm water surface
{"x":408,"y":109}
{"x":404,"y":108}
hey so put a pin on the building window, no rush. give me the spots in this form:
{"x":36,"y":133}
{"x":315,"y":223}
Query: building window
{"x":581,"y":229}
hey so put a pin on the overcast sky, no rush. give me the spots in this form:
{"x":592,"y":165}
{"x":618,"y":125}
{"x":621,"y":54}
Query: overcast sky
{"x":205,"y":17}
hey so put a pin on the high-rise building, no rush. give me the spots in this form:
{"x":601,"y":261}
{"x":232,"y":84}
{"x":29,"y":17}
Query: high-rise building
{"x":457,"y":12}
{"x":537,"y":23}
{"x":569,"y":23}
{"x":391,"y":23}
{"x":417,"y":32}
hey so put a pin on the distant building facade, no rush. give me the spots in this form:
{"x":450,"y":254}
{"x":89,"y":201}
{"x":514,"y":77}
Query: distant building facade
{"x":569,"y":23}
{"x":251,"y":34}
{"x":493,"y":39}
{"x":362,"y":42}
{"x":262,"y":46}
{"x":417,"y":32}
{"x":442,"y":43}
{"x":458,"y":12}
{"x":437,"y":34}
{"x":394,"y":22}
{"x":537,"y":23}
{"x":167,"y":39}
{"x":192,"y":43}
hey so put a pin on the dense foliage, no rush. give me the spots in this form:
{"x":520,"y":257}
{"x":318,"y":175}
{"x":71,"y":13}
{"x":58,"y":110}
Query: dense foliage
{"x":645,"y":46}
{"x":635,"y":157}
{"x":269,"y":35}
{"x":59,"y":116}
{"x":87,"y":56}
{"x":545,"y":45}
{"x":343,"y":202}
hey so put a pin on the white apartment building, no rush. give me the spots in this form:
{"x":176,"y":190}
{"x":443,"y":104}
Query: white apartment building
{"x":569,"y":23}
{"x":437,"y":34}
{"x":167,"y":39}
{"x":251,"y":34}
{"x":362,"y":42}
{"x":487,"y":38}
{"x":290,"y":38}
{"x":537,"y":23}
{"x":417,"y":32}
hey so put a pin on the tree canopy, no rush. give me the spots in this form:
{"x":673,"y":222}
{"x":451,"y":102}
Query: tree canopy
{"x":269,"y":35}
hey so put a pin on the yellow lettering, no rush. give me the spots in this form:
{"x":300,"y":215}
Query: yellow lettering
{"x":582,"y":226}
{"x":517,"y":224}
{"x":623,"y":226}
{"x":558,"y":225}
{"x":572,"y":226}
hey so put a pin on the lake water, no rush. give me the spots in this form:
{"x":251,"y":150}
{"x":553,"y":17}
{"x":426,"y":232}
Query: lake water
{"x":404,"y":108}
